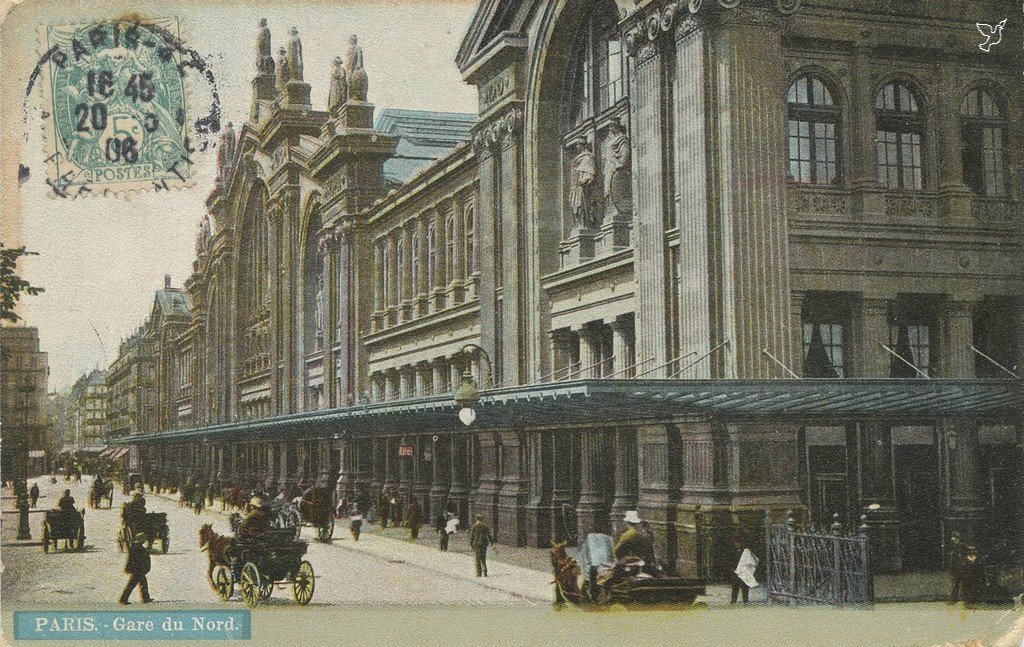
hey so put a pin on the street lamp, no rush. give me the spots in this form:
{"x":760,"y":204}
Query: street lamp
{"x":467,"y":395}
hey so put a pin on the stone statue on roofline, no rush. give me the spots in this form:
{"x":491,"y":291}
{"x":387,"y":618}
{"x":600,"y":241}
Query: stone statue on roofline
{"x":356,"y":78}
{"x":264,"y":56}
{"x":225,"y":154}
{"x":338,"y":92}
{"x":294,"y":56}
{"x":282,"y":69}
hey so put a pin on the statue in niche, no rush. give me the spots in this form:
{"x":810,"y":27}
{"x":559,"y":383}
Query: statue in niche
{"x":265,"y":58}
{"x":618,"y":187}
{"x":225,"y":154}
{"x":584,"y":172}
{"x":358,"y":83}
{"x":203,"y":236}
{"x":321,"y":307}
{"x":294,"y":56}
{"x":282,"y":69}
{"x":338,"y":91}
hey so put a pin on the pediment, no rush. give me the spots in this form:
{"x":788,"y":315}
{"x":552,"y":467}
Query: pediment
{"x":492,"y":19}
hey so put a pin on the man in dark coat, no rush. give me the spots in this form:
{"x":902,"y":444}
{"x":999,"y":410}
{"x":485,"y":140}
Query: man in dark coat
{"x":33,"y":494}
{"x":66,"y":501}
{"x":957,"y":555}
{"x":414,"y":519}
{"x":137,"y":567}
{"x":383,"y":509}
{"x":256,"y":521}
{"x":633,"y":542}
{"x":480,"y":538}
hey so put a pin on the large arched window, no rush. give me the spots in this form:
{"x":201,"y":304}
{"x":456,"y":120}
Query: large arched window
{"x":400,"y":264}
{"x":450,"y":241}
{"x":314,"y":291}
{"x":983,"y":127}
{"x":598,"y":74}
{"x":414,"y":264}
{"x":385,"y":276}
{"x":255,"y":266}
{"x":470,"y":230}
{"x":813,"y":132}
{"x":431,"y":256}
{"x":899,"y":128}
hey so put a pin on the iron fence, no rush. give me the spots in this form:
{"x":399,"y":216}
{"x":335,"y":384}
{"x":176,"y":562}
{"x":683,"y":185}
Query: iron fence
{"x":804,"y":566}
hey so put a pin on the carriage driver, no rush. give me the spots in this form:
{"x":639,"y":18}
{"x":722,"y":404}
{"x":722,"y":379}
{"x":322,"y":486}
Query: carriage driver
{"x":256,"y":521}
{"x":66,"y":501}
{"x":634,"y":542}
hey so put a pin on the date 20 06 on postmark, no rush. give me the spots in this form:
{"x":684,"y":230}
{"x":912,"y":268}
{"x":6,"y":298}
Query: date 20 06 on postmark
{"x":114,"y":107}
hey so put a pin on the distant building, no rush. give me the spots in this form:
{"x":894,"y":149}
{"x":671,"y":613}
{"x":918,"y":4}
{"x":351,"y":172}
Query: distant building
{"x":23,"y":416}
{"x":86,"y":413}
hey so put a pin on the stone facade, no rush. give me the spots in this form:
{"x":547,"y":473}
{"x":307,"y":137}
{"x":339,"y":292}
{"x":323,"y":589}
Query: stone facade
{"x":701,"y":193}
{"x":24,"y":373}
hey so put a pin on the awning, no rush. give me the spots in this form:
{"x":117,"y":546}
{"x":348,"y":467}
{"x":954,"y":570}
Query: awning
{"x":107,"y":451}
{"x":118,"y":453}
{"x":562,"y":404}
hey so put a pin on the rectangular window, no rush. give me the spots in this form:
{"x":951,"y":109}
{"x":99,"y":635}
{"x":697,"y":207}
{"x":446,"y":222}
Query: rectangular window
{"x":826,"y":318}
{"x":414,"y":266}
{"x":385,"y":277}
{"x":912,"y":337}
{"x":899,"y":159}
{"x":609,"y":72}
{"x":992,"y":158}
{"x":449,"y":260}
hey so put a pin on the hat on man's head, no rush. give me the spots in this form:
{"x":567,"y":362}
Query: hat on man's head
{"x":140,"y":538}
{"x":478,"y":517}
{"x":631,"y":516}
{"x":256,"y":502}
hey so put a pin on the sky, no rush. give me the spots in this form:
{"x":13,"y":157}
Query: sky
{"x":102,"y":258}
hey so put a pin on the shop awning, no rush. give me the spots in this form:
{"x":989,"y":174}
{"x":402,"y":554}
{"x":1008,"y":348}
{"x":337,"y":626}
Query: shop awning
{"x":118,"y":453}
{"x":561,"y":404}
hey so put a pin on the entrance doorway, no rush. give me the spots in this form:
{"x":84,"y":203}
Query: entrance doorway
{"x":918,"y":496}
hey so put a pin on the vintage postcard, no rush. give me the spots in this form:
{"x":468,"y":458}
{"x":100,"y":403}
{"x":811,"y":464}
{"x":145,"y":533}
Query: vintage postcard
{"x":512,"y":322}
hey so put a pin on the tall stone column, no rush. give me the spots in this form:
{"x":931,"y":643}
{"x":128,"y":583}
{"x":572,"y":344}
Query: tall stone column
{"x":287,"y":476}
{"x":420,"y":386}
{"x":442,"y":473}
{"x":753,"y":234}
{"x":406,"y":472}
{"x":622,"y":349}
{"x":796,"y":307}
{"x":379,"y":298}
{"x":871,"y":328}
{"x":563,"y":485}
{"x":455,"y":365}
{"x":391,"y":464}
{"x":441,"y":270}
{"x":660,"y":459}
{"x":392,"y":298}
{"x":363,"y":467}
{"x":484,"y":500}
{"x":626,"y":476}
{"x":868,"y":196}
{"x":966,"y":511}
{"x":422,"y":472}
{"x":646,"y":101}
{"x":957,"y":323}
{"x":346,"y":481}
{"x":513,"y":494}
{"x":590,"y":352}
{"x":459,"y":274}
{"x":459,"y":492}
{"x":440,"y":372}
{"x":954,"y":196}
{"x":591,"y":511}
{"x":377,"y":467}
{"x":538,"y":509}
{"x":407,"y":280}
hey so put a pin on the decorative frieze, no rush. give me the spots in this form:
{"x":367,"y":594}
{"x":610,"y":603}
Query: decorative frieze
{"x":492,"y":135}
{"x":809,"y":201}
{"x":908,"y":207}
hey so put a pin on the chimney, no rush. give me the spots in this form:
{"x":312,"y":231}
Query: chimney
{"x":167,"y":281}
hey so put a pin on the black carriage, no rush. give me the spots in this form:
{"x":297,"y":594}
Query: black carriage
{"x":97,"y":495}
{"x":153,"y":524}
{"x":316,"y":510}
{"x":595,"y":580}
{"x":68,"y":525}
{"x":259,"y":565}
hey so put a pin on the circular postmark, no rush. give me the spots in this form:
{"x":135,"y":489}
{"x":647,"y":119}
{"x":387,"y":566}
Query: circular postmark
{"x":116,"y":106}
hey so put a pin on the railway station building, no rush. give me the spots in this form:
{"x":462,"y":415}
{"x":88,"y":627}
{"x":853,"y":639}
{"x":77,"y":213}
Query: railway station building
{"x":714,"y":261}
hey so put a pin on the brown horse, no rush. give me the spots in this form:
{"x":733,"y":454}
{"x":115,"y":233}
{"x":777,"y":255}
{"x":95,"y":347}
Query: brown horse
{"x":218,"y":547}
{"x":566,"y":572}
{"x":234,"y":497}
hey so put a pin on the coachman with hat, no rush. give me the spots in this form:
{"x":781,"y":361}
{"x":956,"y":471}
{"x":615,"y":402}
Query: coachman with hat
{"x":635,"y":541}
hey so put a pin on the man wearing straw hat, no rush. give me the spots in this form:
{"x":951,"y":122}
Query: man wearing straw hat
{"x":633,"y":542}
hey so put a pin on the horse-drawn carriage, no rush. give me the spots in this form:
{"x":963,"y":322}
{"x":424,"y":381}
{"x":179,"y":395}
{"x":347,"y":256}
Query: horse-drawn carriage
{"x":595,"y":580}
{"x":314,"y":508}
{"x":258,"y":565}
{"x":68,"y":525}
{"x":153,"y":524}
{"x":101,"y":490}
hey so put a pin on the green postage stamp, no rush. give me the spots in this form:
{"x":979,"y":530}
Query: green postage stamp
{"x":114,"y":107}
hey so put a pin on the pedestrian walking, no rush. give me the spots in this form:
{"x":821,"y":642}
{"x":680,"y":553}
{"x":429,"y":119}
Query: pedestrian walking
{"x":440,"y":525}
{"x":414,"y":519}
{"x":957,"y":556}
{"x":972,"y":577}
{"x":33,"y":494}
{"x":383,"y":509}
{"x":137,"y":567}
{"x":480,"y":538}
{"x":742,"y":577}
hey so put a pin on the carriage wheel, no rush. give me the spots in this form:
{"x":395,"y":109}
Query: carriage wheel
{"x":266,"y":589}
{"x":303,"y":583}
{"x":46,"y":537}
{"x":326,"y":532}
{"x":249,"y":583}
{"x":222,"y":583}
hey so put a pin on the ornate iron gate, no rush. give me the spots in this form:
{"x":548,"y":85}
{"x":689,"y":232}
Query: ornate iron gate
{"x":817,"y":567}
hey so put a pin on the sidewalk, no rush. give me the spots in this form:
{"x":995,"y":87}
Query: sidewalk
{"x":526,"y":572}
